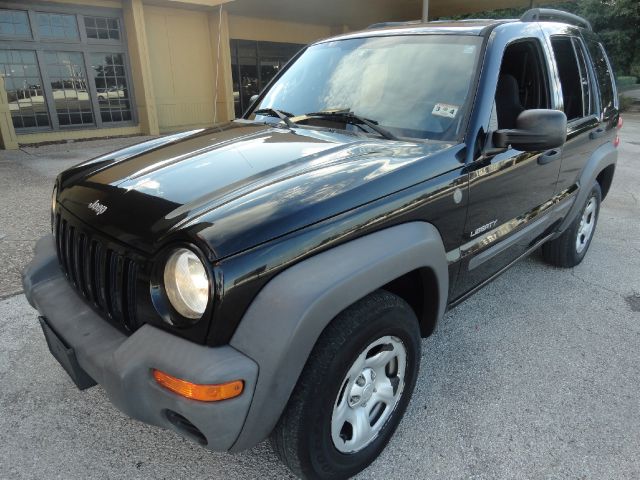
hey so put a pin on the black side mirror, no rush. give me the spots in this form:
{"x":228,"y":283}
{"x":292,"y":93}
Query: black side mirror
{"x":536,"y":130}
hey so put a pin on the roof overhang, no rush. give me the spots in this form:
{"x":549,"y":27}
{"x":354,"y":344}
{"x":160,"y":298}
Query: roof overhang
{"x":357,"y":14}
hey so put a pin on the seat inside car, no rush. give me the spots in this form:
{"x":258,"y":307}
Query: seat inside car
{"x":508,"y":101}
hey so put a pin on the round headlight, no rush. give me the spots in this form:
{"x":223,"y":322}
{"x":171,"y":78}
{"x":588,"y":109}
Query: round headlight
{"x":186,"y":283}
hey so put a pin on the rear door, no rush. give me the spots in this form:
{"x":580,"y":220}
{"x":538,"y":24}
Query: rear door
{"x":580,"y":103}
{"x":606,"y":88}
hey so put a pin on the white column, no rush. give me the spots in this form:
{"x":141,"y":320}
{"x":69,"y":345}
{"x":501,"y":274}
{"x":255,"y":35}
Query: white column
{"x":140,"y":66}
{"x":425,"y":10}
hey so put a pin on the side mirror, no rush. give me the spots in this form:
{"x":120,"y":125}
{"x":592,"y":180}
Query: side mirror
{"x":536,"y":130}
{"x":253,"y":99}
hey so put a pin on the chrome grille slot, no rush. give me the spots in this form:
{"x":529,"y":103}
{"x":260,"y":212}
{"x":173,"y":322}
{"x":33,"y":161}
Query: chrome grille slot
{"x":129,"y":290}
{"x":101,"y":272}
{"x":69,"y":255}
{"x":78,"y":261}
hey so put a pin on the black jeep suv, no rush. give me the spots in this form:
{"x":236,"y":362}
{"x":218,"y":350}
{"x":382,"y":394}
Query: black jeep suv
{"x":274,"y":276}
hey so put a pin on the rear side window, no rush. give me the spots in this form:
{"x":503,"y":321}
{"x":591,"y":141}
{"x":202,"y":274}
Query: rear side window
{"x":577,"y":88}
{"x":605,"y":78}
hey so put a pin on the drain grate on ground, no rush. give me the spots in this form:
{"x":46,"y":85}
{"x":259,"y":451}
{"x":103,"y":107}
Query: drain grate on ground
{"x":633,"y":301}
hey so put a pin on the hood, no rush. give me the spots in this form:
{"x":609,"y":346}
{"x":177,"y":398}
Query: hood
{"x":237,"y":186}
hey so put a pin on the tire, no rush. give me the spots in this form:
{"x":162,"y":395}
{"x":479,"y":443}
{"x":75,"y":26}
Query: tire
{"x":330,"y":391}
{"x":570,"y":248}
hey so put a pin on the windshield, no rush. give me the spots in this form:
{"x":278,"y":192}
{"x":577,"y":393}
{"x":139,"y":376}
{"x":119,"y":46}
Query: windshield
{"x":415,"y":86}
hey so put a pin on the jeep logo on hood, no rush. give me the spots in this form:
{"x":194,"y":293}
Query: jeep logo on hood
{"x":97,"y":207}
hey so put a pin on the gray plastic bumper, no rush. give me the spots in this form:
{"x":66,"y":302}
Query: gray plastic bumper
{"x":122,"y":364}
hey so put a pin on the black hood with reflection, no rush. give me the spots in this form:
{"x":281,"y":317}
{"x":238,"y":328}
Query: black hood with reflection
{"x":238,"y":186}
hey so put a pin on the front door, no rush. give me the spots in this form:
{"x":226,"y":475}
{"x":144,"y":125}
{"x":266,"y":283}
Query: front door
{"x":510,"y":193}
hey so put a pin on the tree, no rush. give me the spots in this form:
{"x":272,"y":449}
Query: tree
{"x":617,"y":22}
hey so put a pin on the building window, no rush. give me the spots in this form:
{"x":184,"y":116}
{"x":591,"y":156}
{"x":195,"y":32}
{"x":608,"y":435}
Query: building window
{"x":111,"y":85}
{"x":101,"y":28}
{"x":58,"y":27}
{"x":253,"y":65}
{"x":69,"y":87}
{"x":23,"y":84}
{"x":57,"y":76}
{"x":14,"y":23}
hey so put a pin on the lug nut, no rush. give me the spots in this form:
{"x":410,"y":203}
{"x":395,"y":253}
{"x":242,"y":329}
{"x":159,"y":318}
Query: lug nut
{"x":360,"y":381}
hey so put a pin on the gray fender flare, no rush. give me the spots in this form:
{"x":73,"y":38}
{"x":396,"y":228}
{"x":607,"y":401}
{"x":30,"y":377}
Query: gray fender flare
{"x":605,"y":155}
{"x":284,"y":321}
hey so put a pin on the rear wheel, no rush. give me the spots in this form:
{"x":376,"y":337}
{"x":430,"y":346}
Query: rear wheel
{"x":353,"y":390}
{"x":570,"y":248}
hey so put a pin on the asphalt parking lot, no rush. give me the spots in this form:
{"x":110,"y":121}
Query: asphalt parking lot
{"x":536,"y":376}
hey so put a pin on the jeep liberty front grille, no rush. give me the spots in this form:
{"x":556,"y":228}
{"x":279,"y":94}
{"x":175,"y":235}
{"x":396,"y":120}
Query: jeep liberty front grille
{"x":102,"y":274}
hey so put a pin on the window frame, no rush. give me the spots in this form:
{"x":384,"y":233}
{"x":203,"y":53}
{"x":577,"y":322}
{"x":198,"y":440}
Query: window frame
{"x":83,"y":45}
{"x":21,"y":8}
{"x":583,"y":61}
{"x":574,"y":38}
{"x":37,"y":64}
{"x":35,"y":26}
{"x":544,"y":76}
{"x":97,"y":41}
{"x":592,"y":44}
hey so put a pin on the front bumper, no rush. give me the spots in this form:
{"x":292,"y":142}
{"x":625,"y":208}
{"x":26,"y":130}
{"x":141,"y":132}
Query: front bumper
{"x":122,"y":364}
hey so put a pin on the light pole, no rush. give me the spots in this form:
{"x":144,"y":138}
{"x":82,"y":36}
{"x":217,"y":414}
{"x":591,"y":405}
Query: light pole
{"x":425,"y":10}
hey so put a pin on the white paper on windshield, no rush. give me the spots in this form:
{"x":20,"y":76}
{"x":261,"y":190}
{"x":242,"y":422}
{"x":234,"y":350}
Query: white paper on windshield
{"x":445,"y":110}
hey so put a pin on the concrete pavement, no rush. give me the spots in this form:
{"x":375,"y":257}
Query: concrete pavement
{"x":26,"y":181}
{"x":536,"y":376}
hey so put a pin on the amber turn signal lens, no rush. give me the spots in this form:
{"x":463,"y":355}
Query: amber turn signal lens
{"x":194,"y":391}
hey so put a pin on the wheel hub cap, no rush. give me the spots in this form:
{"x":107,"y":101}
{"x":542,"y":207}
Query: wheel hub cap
{"x":587,"y":225}
{"x":362,"y":388}
{"x":369,"y":394}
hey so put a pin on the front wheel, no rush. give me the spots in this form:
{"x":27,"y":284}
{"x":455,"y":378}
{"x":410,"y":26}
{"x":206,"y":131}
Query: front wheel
{"x":353,"y":390}
{"x":570,"y":248}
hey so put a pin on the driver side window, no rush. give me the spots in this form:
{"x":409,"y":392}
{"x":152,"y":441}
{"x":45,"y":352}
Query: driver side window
{"x":523,"y":83}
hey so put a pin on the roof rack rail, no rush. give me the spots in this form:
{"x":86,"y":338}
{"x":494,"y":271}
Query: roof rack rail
{"x":392,"y":24}
{"x":549,"y":14}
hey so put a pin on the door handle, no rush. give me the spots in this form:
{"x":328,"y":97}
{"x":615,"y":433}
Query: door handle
{"x":600,"y":132}
{"x":549,"y":157}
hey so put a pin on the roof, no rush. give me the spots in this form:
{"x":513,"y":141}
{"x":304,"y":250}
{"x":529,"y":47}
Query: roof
{"x":466,"y":27}
{"x":461,"y":27}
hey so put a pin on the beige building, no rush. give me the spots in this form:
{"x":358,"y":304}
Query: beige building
{"x":73,"y":69}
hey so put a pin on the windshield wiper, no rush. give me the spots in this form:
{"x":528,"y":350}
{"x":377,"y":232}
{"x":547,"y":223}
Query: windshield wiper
{"x":354,"y":119}
{"x":272,"y":112}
